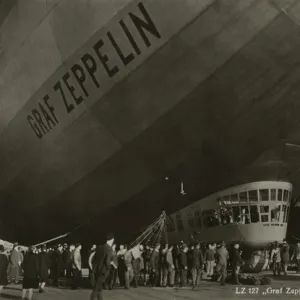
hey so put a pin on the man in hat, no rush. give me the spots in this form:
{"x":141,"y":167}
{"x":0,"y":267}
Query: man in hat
{"x":147,"y":269}
{"x":222,"y":259}
{"x":197,"y":264}
{"x":113,"y":273}
{"x":154,"y":264}
{"x":169,"y":271}
{"x":57,"y":264}
{"x":162,"y":264}
{"x":102,"y":263}
{"x":121,"y":264}
{"x":237,"y":262}
{"x":65,"y":259}
{"x":276,"y":259}
{"x":183,"y":265}
{"x":285,"y":256}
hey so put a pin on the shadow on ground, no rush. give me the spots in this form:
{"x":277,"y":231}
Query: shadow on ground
{"x":12,"y":288}
{"x":285,"y":278}
{"x":6,"y":296}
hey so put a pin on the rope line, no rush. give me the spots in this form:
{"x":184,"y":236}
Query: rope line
{"x":158,"y":235}
{"x":147,"y":232}
{"x":145,"y":237}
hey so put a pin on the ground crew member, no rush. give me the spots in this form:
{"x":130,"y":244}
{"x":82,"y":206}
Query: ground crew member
{"x":128,"y":268}
{"x":285,"y":256}
{"x":162,"y":264}
{"x":136,"y":264}
{"x":169,"y":272}
{"x":296,"y":255}
{"x":183,"y":265}
{"x":147,"y":269}
{"x":236,"y":262}
{"x":222,"y":259}
{"x":121,"y":264}
{"x":102,"y":261}
{"x":276,"y":259}
{"x":209,"y":258}
{"x":113,"y":273}
{"x":197,"y":264}
{"x":154,"y":263}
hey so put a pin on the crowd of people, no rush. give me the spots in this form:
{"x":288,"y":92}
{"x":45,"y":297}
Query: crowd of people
{"x":281,"y":256}
{"x":111,"y":266}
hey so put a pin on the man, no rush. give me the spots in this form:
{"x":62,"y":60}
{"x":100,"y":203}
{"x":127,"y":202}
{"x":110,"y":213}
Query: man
{"x":169,"y":271}
{"x":197,"y":264}
{"x":43,"y":268}
{"x":154,"y":264}
{"x":162,"y":264}
{"x":57,"y":264}
{"x":21,"y":256}
{"x":91,"y":257}
{"x":146,"y":257}
{"x":296,"y":255}
{"x":70,"y":260}
{"x":236,"y":262}
{"x":128,"y":268}
{"x":113,"y":273}
{"x":136,"y":254}
{"x":183,"y":265}
{"x":65,"y":258}
{"x":102,"y":264}
{"x":222,"y":259}
{"x":142,"y":263}
{"x":15,"y":263}
{"x":285,"y":256}
{"x":121,"y":264}
{"x":176,"y":255}
{"x":209,"y":258}
{"x":276,"y":259}
{"x":76,"y":267}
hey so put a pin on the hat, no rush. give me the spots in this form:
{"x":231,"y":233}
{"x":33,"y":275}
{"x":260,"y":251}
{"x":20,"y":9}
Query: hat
{"x":109,"y":236}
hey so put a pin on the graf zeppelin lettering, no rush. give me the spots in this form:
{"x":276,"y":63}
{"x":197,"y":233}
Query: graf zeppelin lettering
{"x":43,"y":118}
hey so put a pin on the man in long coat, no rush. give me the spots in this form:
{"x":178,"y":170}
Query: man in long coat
{"x":101,"y":267}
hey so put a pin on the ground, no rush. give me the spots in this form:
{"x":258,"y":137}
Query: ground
{"x":206,"y":290}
